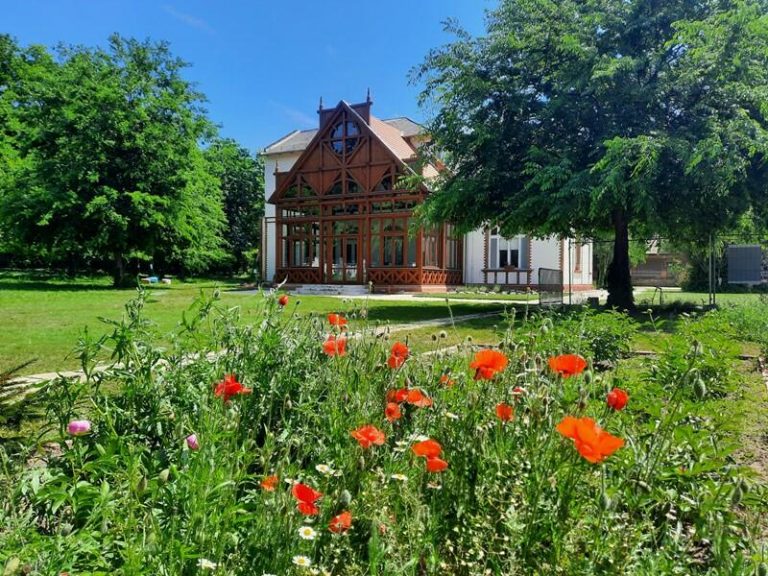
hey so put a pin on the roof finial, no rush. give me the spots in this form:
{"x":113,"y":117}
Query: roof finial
{"x":321,"y":102}
{"x":368,"y":96}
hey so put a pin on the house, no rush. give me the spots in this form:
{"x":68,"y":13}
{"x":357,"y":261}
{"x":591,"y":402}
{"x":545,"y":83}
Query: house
{"x":337,"y":213}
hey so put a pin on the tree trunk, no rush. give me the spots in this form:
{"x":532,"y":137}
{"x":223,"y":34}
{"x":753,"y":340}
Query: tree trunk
{"x":618,"y":278}
{"x":118,"y":272}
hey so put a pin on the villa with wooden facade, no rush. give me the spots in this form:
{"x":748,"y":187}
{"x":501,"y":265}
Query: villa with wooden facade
{"x":336,"y":214}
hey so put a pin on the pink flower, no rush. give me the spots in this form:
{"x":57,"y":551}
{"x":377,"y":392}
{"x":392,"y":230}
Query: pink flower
{"x":79,"y":427}
{"x":192,"y":442}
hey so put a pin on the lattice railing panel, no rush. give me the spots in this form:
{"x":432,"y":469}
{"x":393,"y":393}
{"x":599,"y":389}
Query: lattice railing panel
{"x":299,"y":275}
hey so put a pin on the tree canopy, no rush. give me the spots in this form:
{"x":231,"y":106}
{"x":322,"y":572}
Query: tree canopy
{"x":104,"y":159}
{"x":579,"y":117}
{"x":242,"y":185}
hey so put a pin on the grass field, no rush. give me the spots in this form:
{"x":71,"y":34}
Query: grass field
{"x":43,"y":318}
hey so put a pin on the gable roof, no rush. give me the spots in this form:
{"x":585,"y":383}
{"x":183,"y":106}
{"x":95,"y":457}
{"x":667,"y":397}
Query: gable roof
{"x":393,"y":131}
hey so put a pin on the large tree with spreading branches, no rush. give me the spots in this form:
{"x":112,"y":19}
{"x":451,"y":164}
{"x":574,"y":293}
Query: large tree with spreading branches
{"x":575,"y":117}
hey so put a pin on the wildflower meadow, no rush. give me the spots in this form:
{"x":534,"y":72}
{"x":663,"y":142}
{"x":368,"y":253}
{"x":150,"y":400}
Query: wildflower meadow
{"x":316,"y":444}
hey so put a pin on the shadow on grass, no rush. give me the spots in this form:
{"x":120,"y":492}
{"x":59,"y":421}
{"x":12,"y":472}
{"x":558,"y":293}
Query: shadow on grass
{"x":414,"y":313}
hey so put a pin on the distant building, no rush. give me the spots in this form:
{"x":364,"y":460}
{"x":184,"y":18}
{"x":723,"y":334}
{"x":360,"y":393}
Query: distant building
{"x":336,"y":214}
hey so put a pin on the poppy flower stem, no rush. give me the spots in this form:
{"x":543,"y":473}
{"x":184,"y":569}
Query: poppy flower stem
{"x":664,"y":433}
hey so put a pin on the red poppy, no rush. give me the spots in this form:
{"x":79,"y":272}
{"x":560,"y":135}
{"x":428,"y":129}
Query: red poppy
{"x":334,"y":346}
{"x":592,"y":442}
{"x":230,"y":387}
{"x":398,"y":355}
{"x":283,"y":300}
{"x":446,"y":380}
{"x":504,"y":412}
{"x":418,"y":398}
{"x":337,"y":320}
{"x":517,"y":391}
{"x":306,"y":498}
{"x":400,"y":350}
{"x":367,"y":435}
{"x":341,"y":523}
{"x":488,"y":363}
{"x":617,"y":399}
{"x":567,"y":365}
{"x":435,"y":464}
{"x":392,"y":412}
{"x":398,"y":395}
{"x":269,"y":483}
{"x":428,"y":448}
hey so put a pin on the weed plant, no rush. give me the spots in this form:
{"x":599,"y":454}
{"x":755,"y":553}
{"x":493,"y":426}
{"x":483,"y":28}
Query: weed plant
{"x":138,"y":495}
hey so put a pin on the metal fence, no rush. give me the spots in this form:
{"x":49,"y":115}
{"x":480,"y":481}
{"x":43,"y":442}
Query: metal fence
{"x":550,"y":287}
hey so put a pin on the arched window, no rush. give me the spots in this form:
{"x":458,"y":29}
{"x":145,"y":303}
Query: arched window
{"x":345,"y":137}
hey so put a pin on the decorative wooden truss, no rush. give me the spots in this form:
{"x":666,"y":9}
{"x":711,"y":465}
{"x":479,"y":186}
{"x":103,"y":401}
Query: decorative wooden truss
{"x":343,"y":215}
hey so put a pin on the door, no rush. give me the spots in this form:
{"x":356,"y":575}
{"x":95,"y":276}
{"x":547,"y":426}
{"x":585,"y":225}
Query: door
{"x":344,"y":252}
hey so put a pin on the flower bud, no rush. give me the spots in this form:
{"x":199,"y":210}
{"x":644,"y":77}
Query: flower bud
{"x":192,"y":442}
{"x":699,"y":388}
{"x":762,"y":569}
{"x":164,"y":475}
{"x":79,"y":427}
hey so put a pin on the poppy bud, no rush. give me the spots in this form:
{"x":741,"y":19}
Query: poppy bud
{"x":738,"y":494}
{"x":544,"y":329}
{"x":699,"y":388}
{"x":434,"y":337}
{"x":607,"y":502}
{"x":345,"y":498}
{"x":164,"y":475}
{"x":588,"y":377}
{"x":538,"y":362}
{"x":696,"y":348}
{"x":762,"y":569}
{"x":142,"y":485}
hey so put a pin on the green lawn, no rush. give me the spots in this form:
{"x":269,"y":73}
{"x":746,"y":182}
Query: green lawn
{"x":43,"y":318}
{"x":698,"y":298}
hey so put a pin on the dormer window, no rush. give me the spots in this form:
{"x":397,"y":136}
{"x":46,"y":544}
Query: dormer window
{"x":345,"y":137}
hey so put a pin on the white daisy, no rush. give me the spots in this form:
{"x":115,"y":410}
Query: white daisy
{"x":206,"y":564}
{"x":307,"y":533}
{"x":302,"y":561}
{"x":324,"y":469}
{"x":400,"y":477}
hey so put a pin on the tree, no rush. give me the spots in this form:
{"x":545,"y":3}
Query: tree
{"x":113,"y":166}
{"x":242,"y":185}
{"x":578,"y":117}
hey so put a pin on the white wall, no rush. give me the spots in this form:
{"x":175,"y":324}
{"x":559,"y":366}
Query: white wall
{"x":282,"y":162}
{"x":545,"y":253}
{"x":474,"y":245}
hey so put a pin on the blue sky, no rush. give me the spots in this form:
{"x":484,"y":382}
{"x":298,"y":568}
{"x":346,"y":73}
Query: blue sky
{"x":264,"y":65}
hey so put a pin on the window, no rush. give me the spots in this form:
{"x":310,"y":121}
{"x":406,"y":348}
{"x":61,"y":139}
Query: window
{"x":430,"y":241}
{"x":503,"y":252}
{"x":384,"y":185}
{"x":451,"y":248}
{"x":300,"y":244}
{"x":390,"y":244}
{"x":345,"y":137}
